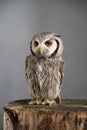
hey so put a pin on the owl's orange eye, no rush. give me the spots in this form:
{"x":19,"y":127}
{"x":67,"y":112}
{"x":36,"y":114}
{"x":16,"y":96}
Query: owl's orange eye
{"x":36,"y":43}
{"x":48,"y":43}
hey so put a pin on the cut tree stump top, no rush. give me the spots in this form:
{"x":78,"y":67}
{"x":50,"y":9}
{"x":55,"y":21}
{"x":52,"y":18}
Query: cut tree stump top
{"x":69,"y":115}
{"x":67,"y":104}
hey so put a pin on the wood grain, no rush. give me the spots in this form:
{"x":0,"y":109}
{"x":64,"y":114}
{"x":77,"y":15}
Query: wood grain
{"x":70,"y":115}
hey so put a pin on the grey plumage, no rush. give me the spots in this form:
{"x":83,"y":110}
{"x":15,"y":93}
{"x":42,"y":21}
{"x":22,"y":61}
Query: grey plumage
{"x":44,"y":73}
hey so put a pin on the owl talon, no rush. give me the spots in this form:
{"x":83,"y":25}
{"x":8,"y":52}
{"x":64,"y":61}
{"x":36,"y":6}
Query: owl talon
{"x":46,"y":102}
{"x":36,"y":102}
{"x":32,"y":103}
{"x":50,"y":103}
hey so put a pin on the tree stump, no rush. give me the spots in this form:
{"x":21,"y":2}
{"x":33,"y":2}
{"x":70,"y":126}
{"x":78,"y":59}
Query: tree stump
{"x":70,"y":115}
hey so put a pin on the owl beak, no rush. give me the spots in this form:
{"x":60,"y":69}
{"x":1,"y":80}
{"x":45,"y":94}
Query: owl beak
{"x":41,"y":50}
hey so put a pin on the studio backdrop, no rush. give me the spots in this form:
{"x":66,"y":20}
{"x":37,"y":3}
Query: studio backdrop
{"x":19,"y":21}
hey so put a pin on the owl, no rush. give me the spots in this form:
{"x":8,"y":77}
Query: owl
{"x":44,"y":69}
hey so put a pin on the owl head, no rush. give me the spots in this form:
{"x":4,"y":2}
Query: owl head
{"x":46,"y":45}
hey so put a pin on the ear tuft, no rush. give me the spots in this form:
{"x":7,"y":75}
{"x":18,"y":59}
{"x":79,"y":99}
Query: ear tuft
{"x":58,"y":35}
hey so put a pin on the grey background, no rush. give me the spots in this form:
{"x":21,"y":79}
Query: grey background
{"x":19,"y":21}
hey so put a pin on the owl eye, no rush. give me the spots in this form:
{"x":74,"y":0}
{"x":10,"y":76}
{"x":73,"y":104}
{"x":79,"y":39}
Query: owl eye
{"x":48,"y":43}
{"x":36,"y":43}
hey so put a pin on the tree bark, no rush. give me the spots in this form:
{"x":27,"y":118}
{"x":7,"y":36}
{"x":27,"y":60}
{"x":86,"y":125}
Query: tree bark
{"x":70,"y":115}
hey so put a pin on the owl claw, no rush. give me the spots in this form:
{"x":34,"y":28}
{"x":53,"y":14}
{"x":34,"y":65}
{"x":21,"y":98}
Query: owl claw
{"x":36,"y":102}
{"x":52,"y":103}
{"x":31,"y":103}
{"x":48,"y":102}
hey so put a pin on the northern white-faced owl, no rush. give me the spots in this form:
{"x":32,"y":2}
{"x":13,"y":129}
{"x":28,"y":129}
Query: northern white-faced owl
{"x":44,"y":69}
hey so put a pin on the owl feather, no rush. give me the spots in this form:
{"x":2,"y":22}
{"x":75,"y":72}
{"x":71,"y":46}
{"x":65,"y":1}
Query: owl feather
{"x":45,"y":73}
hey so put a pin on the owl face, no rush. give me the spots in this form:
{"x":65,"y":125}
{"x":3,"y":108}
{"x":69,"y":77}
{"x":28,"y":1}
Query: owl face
{"x":45,"y":45}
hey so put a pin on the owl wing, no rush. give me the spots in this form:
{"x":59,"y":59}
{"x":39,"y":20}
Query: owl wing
{"x":31,"y":76}
{"x":27,"y":68}
{"x":61,"y":70}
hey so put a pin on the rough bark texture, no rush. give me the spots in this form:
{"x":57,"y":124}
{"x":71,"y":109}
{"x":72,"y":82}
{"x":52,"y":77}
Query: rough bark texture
{"x":70,"y":115}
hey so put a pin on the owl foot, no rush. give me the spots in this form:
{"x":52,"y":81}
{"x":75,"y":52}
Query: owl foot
{"x":35,"y":102}
{"x":48,"y":102}
{"x":38,"y":102}
{"x":31,"y":103}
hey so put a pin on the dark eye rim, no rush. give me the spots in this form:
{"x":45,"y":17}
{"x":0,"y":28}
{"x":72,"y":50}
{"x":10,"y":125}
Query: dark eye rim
{"x":36,"y":43}
{"x":57,"y":41}
{"x":48,"y":43}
